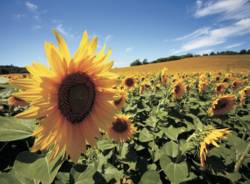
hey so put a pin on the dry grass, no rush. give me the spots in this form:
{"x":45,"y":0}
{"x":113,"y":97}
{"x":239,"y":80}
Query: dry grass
{"x":197,"y":64}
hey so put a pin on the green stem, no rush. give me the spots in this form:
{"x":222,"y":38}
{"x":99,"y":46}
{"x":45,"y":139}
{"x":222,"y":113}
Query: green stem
{"x":242,"y":157}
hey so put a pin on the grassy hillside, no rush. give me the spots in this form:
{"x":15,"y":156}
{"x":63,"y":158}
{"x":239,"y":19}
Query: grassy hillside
{"x":196,"y":64}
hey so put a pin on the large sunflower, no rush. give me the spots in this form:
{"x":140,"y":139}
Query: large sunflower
{"x":73,"y":97}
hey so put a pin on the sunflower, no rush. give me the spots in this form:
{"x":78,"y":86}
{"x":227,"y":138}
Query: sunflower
{"x":222,"y":105}
{"x":14,"y":101}
{"x":179,"y":89}
{"x":202,"y":87}
{"x":143,"y":87}
{"x":220,"y":88}
{"x":129,"y":82}
{"x":244,"y":94}
{"x":122,"y":128}
{"x":73,"y":97}
{"x":236,"y":83}
{"x":164,"y":76}
{"x":119,"y":99}
{"x":210,"y":138}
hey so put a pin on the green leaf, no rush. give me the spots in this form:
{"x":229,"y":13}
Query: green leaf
{"x":171,"y":149}
{"x":56,"y":164}
{"x":234,"y":177}
{"x":36,"y":167}
{"x":171,"y":132}
{"x":145,"y":136}
{"x":164,"y":161}
{"x":176,"y":172}
{"x":150,"y":177}
{"x":112,"y":172}
{"x":86,"y":176}
{"x":15,"y":129}
{"x":105,"y":144}
{"x":33,"y":166}
{"x":6,"y":178}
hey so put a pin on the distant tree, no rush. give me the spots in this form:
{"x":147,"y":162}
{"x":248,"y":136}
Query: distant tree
{"x":248,"y":51}
{"x":212,"y":54}
{"x":204,"y":54}
{"x":243,"y":51}
{"x":4,"y":71}
{"x":145,"y":61}
{"x":136,"y":62}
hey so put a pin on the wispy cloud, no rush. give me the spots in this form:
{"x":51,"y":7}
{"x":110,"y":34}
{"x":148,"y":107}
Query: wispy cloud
{"x":19,"y":15}
{"x":108,"y":38}
{"x":234,"y":45}
{"x":63,"y":31}
{"x":218,"y":35}
{"x":36,"y":27}
{"x":231,"y":9}
{"x":31,"y":6}
{"x":129,"y":49}
{"x":195,"y":34}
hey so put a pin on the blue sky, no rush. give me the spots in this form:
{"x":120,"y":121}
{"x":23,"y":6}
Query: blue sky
{"x":132,"y":28}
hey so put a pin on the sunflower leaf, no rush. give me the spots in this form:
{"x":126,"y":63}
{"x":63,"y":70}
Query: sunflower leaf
{"x":150,"y":177}
{"x":32,"y":166}
{"x":15,"y":129}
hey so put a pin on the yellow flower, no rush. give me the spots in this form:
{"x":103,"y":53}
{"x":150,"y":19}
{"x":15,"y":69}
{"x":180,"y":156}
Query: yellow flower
{"x":119,"y":99}
{"x":211,"y":138}
{"x":164,"y":76}
{"x":202,"y":87}
{"x":73,"y":97}
{"x":129,"y":82}
{"x":220,"y":88}
{"x":244,"y":93}
{"x":222,"y":105}
{"x":179,"y":89}
{"x":122,"y":128}
{"x":236,"y":83}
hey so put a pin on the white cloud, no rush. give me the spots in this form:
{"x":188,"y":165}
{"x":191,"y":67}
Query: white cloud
{"x":108,"y":38}
{"x":231,"y":9}
{"x":31,"y":6}
{"x":19,"y":16}
{"x":234,"y":45}
{"x":219,"y":35}
{"x":206,"y":51}
{"x":128,"y":49}
{"x":195,"y":34}
{"x":36,"y":27}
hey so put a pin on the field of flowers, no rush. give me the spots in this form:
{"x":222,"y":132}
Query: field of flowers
{"x":78,"y":122}
{"x":182,"y":128}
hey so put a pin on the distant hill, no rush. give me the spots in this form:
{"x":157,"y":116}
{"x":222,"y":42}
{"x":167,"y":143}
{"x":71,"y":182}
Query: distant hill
{"x":194,"y":64}
{"x":8,"y":69}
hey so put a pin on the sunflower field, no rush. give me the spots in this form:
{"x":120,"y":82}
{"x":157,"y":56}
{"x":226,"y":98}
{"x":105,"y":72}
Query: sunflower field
{"x":77,"y":122}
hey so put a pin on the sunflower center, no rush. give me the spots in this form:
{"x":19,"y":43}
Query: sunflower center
{"x":120,"y":126}
{"x":76,"y":97}
{"x":129,"y":82}
{"x":221,"y":104}
{"x":177,"y":89}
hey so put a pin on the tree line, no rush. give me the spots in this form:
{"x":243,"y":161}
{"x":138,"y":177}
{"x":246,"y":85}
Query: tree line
{"x":189,"y":55}
{"x":8,"y":69}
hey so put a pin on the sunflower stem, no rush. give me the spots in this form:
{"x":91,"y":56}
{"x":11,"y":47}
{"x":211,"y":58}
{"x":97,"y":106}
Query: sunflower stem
{"x":242,"y":157}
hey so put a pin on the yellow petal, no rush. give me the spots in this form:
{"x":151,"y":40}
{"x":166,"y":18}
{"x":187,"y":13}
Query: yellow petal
{"x":62,"y":46}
